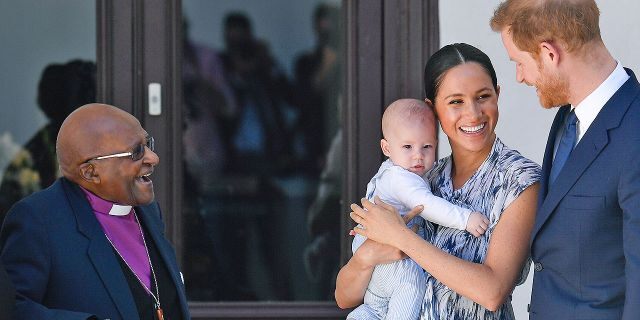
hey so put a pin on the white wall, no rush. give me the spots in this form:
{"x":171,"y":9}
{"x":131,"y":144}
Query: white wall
{"x":523,"y":124}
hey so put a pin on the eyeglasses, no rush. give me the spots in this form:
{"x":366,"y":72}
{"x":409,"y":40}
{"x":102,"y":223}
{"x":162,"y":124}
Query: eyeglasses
{"x":136,"y":154}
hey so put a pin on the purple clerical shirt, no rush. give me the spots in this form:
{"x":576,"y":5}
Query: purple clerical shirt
{"x":125,"y":234}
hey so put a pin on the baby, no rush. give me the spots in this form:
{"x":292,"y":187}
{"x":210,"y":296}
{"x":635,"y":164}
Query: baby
{"x":396,"y":290}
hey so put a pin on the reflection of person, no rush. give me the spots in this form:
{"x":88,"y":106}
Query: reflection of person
{"x":92,"y":244}
{"x":323,"y":217}
{"x":587,"y":231}
{"x":7,"y":295}
{"x":317,"y":87}
{"x":259,"y":151}
{"x":467,"y":277}
{"x":202,"y":62}
{"x":61,"y":89}
{"x":209,"y":101}
{"x":258,"y":134}
{"x":396,"y":290}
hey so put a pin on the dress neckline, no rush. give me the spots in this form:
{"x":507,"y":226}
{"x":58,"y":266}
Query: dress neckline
{"x":495,"y":149}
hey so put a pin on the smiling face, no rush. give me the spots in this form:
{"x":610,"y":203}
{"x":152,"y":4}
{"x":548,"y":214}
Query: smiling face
{"x":467,"y":106}
{"x":97,"y":130}
{"x":551,"y":88}
{"x":122,"y":180}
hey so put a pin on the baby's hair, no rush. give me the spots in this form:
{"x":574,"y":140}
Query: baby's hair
{"x":404,"y":110}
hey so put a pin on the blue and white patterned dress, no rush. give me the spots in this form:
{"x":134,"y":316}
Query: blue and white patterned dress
{"x":497,"y":182}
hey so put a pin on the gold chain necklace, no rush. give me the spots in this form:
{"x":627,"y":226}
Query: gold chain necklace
{"x":155,"y":297}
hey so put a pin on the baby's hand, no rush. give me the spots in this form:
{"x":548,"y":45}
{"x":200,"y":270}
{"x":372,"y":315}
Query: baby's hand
{"x":477,"y":224}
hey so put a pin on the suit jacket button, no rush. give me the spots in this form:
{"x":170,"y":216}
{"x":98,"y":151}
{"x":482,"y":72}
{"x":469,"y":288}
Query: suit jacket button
{"x":537,"y":266}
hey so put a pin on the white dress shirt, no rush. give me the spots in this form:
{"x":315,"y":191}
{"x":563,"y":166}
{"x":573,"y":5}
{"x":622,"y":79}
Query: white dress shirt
{"x":588,"y":109}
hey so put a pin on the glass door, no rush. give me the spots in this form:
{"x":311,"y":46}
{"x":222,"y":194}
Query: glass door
{"x":49,"y":69}
{"x":261,"y":86}
{"x":266,"y":116}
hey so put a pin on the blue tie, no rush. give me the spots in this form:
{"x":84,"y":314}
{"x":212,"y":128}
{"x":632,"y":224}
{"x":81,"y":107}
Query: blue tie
{"x":567,"y":142}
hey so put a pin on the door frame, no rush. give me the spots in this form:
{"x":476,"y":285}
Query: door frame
{"x":388,"y":42}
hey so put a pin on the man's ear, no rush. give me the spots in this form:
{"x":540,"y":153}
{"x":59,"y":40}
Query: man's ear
{"x":498,"y":91}
{"x":550,"y":53}
{"x":89,"y":173}
{"x":384,"y":145}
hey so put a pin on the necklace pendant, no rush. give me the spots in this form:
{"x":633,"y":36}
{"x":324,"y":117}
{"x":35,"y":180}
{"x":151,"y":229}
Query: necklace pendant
{"x":160,"y":314}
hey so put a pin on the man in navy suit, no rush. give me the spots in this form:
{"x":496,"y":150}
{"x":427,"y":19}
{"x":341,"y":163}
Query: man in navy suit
{"x":7,"y":296}
{"x":586,"y":240}
{"x":92,"y":245}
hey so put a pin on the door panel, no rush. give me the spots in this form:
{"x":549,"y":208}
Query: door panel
{"x":261,"y":89}
{"x":49,"y":53}
{"x":244,"y":163}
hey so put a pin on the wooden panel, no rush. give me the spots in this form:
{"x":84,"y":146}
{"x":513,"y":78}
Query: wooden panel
{"x":410,"y":36}
{"x":160,"y":64}
{"x":363,"y":103}
{"x":115,"y":59}
{"x":266,"y":310}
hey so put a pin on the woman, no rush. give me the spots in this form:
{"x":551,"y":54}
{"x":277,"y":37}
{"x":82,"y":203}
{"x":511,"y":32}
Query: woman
{"x":467,"y":277}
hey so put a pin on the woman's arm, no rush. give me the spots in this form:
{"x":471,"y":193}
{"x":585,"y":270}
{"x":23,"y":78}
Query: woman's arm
{"x":489,"y":283}
{"x":354,"y":277}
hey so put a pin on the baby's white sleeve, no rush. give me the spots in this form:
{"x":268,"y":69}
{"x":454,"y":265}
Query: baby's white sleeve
{"x":411,"y":191}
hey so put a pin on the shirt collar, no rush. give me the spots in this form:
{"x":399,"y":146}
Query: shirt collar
{"x":588,"y":109}
{"x":106,"y":207}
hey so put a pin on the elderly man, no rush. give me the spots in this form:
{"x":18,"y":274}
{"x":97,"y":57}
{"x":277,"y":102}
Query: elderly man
{"x":91,"y":246}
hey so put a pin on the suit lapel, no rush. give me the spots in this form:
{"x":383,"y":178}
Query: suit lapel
{"x":101,"y":254}
{"x":164,"y":248}
{"x":592,"y":143}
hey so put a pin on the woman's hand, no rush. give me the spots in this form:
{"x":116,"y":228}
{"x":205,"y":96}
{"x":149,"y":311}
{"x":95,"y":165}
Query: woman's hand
{"x":381,"y":222}
{"x":372,"y":253}
{"x":354,"y":277}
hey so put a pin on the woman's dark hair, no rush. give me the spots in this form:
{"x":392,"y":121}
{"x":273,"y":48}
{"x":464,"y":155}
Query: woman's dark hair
{"x":448,"y":57}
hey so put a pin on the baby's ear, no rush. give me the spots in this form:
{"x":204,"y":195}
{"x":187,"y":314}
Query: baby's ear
{"x":384,"y":145}
{"x":428,"y":102}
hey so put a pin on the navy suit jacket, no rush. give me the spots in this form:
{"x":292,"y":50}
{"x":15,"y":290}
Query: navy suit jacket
{"x":7,"y":296}
{"x":586,"y":239}
{"x":61,"y":263}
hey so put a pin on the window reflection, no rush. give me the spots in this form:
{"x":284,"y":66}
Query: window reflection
{"x":262,"y":153}
{"x":62,"y":88}
{"x":44,"y":82}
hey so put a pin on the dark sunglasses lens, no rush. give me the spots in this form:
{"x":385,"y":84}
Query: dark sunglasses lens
{"x":138,"y":152}
{"x":151,"y":143}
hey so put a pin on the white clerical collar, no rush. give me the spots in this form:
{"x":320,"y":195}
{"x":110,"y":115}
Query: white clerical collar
{"x":119,"y":210}
{"x":105,"y":206}
{"x":588,"y":109}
